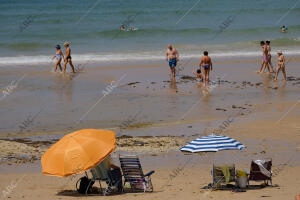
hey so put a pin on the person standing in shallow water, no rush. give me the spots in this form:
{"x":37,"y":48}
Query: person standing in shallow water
{"x":281,"y":66}
{"x":172,"y":56}
{"x":206,"y":65}
{"x":269,"y":56}
{"x":68,"y":58}
{"x":264,"y":62}
{"x":59,"y":56}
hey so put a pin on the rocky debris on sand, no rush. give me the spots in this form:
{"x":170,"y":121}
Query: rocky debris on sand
{"x":222,"y":109}
{"x":133,"y":83}
{"x":188,"y":77}
{"x":24,"y":150}
{"x":17,"y":152}
{"x":150,"y":143}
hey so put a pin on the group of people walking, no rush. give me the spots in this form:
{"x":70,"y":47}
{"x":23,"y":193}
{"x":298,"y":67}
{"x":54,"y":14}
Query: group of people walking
{"x":60,"y":56}
{"x":205,"y":66}
{"x":267,"y":60}
{"x":172,"y":56}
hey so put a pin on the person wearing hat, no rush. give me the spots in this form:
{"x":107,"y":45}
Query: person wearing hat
{"x":59,"y":56}
{"x":281,"y":65}
{"x":68,"y":58}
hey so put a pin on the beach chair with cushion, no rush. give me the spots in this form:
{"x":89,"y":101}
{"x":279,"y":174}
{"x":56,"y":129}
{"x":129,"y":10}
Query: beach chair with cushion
{"x":223,"y":174}
{"x":112,"y":178}
{"x":133,"y":174}
{"x":260,"y":170}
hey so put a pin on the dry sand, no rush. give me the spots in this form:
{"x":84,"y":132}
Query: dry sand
{"x":176,"y":177}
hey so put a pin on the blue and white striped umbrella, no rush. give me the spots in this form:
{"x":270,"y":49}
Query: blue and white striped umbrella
{"x":212,"y":143}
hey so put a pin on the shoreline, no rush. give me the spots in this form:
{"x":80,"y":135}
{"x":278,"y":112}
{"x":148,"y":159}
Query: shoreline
{"x":129,"y":59}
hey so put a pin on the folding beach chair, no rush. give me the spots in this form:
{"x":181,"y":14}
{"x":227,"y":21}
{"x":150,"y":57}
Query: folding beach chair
{"x":113,"y":178}
{"x":219,"y":177}
{"x":133,"y":174}
{"x":261,"y":171}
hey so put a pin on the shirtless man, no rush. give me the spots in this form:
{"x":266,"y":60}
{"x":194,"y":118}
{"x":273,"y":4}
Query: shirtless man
{"x":206,"y":65}
{"x":173,"y":57}
{"x":68,"y":58}
{"x":264,"y":62}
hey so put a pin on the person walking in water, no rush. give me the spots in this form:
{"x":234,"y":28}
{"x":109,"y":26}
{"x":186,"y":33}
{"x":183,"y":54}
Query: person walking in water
{"x":281,"y":66}
{"x":68,"y":58}
{"x":172,"y":56}
{"x":264,"y":62}
{"x":59,"y":56}
{"x":206,"y":65}
{"x":269,"y":56}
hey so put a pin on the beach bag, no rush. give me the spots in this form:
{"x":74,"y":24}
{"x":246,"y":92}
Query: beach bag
{"x":85,"y":185}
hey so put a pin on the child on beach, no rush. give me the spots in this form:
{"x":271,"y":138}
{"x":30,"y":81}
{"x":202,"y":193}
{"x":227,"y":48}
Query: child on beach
{"x":281,"y":65}
{"x":68,"y":58}
{"x":199,"y":75}
{"x":58,"y":55}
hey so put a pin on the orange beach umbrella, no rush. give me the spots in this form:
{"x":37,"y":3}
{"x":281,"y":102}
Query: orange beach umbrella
{"x":78,"y":151}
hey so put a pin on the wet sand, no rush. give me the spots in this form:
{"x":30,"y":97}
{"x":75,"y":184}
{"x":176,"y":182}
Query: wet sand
{"x":49,"y":103}
{"x":265,"y":118}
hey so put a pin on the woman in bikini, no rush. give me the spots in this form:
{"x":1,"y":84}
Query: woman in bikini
{"x":281,"y":65}
{"x":59,"y":56}
{"x":269,"y":56}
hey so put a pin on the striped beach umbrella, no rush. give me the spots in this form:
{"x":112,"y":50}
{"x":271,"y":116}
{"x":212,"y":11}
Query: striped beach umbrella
{"x":212,"y":143}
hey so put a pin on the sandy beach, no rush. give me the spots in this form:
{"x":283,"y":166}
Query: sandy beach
{"x":123,"y":53}
{"x":154,"y":118}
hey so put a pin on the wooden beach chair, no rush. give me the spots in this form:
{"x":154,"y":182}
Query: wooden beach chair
{"x":219,"y":177}
{"x":257,"y":174}
{"x":133,"y":174}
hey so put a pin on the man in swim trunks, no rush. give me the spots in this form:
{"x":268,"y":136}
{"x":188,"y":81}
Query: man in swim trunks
{"x":172,"y":56}
{"x":265,"y":59}
{"x":206,"y":65}
{"x":68,"y":58}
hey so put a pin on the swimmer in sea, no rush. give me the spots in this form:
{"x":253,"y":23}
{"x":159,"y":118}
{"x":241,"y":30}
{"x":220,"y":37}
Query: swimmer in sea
{"x":206,"y":65}
{"x":199,"y":75}
{"x":269,"y":56}
{"x":59,"y":56}
{"x":281,"y":66}
{"x":68,"y":58}
{"x":283,"y":29}
{"x":122,"y":28}
{"x":172,"y":56}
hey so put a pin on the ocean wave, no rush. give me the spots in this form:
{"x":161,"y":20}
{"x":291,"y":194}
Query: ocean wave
{"x":130,"y":57}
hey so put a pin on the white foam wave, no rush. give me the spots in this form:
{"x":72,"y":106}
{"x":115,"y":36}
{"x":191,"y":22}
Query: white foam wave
{"x":134,"y":56}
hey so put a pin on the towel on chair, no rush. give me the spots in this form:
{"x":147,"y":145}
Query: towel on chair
{"x":226,"y":173}
{"x":261,"y":164}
